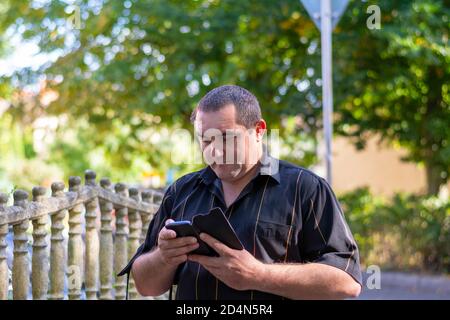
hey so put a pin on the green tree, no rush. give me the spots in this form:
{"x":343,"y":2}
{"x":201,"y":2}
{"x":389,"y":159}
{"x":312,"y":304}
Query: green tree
{"x":395,"y":81}
{"x":133,"y":59}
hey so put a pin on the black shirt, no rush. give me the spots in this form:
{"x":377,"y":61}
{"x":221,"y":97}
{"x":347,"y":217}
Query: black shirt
{"x":285,"y":214}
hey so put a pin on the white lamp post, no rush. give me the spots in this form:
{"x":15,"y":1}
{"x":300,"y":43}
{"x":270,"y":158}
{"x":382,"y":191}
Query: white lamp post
{"x":326,"y":14}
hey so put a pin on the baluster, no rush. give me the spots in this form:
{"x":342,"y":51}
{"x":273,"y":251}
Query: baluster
{"x":75,"y":245}
{"x":3,"y":263}
{"x":39,"y":270}
{"x":135,"y":233}
{"x":20,"y":272}
{"x":106,"y":244}
{"x":157,"y":198}
{"x":57,"y":249}
{"x":92,"y":241}
{"x":120,"y":254}
{"x":147,"y":197}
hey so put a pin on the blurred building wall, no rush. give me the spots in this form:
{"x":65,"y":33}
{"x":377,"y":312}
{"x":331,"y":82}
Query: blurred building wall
{"x":377,"y":166}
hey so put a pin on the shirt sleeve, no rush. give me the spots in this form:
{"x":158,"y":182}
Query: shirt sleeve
{"x":156,"y":224}
{"x":325,"y":236}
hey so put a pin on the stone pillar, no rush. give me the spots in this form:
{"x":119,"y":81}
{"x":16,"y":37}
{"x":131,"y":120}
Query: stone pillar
{"x":135,"y":234}
{"x":3,"y":263}
{"x":120,"y":252}
{"x":20,"y":272}
{"x":92,"y":241}
{"x":106,"y":244}
{"x":75,"y":246}
{"x":57,"y":249}
{"x":147,"y":197}
{"x":40,"y":266}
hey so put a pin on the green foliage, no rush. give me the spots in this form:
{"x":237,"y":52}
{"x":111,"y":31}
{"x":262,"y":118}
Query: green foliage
{"x":424,"y":223}
{"x":140,"y":64}
{"x":404,"y":227}
{"x":362,"y":214}
{"x":19,"y":166}
{"x":134,"y":59}
{"x":394,"y":81}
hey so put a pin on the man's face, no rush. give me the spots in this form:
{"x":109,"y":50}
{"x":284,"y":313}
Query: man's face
{"x":229,"y":148}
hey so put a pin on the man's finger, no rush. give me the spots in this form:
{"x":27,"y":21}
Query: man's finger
{"x":181,"y":250}
{"x":220,"y":248}
{"x":168,"y":221}
{"x":178,"y":242}
{"x":167,"y":234}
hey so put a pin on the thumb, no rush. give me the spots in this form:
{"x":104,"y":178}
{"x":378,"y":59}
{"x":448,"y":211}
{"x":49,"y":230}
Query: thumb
{"x":168,"y":221}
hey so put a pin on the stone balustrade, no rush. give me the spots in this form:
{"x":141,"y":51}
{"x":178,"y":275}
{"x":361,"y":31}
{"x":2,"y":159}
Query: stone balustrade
{"x":71,"y":244}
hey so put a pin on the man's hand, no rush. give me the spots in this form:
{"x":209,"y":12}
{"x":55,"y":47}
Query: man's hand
{"x":173,"y":250}
{"x":238,"y":269}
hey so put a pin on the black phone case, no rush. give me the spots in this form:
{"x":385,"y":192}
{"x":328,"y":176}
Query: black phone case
{"x":216,"y":225}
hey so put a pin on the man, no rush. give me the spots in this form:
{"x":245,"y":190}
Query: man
{"x":297,"y":244}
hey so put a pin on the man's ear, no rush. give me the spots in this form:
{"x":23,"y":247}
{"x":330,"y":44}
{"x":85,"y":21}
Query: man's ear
{"x":260,"y":129}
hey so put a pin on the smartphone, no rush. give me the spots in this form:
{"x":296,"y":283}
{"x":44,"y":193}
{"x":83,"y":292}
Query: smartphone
{"x":184,"y":228}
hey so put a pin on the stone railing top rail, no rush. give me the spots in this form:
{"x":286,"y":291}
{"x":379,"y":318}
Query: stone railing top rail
{"x":32,"y":210}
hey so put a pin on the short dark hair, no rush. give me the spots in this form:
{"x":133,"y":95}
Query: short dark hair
{"x":247,"y":107}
